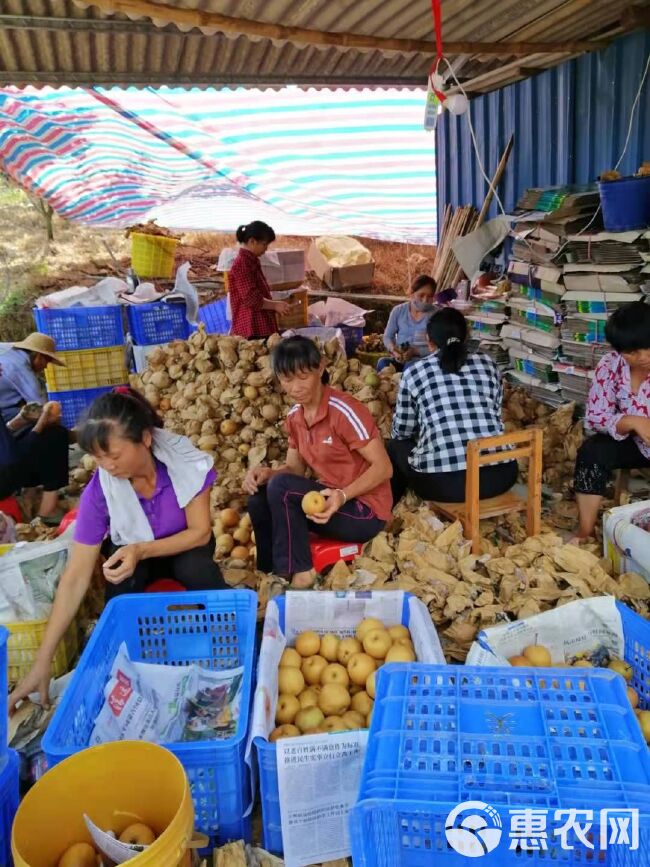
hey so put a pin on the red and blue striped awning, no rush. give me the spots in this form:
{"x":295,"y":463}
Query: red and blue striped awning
{"x":306,"y":161}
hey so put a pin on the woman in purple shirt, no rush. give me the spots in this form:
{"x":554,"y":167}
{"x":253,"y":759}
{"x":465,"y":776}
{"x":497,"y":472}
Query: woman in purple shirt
{"x":132,"y":511}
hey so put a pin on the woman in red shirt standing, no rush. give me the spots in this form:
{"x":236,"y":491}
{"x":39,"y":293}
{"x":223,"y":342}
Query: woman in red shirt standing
{"x":253,"y":309}
{"x":334,"y":436}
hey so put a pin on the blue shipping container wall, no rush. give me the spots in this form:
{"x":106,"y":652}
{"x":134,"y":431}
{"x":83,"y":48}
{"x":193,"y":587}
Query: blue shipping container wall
{"x":569,"y":124}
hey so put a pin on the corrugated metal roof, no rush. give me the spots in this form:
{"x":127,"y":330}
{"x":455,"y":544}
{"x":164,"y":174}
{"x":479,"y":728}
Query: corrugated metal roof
{"x":569,"y":123}
{"x":63,"y":43}
{"x":305,"y":162}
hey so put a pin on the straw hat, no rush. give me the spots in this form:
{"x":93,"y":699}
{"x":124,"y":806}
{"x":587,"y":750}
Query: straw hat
{"x":42,"y":343}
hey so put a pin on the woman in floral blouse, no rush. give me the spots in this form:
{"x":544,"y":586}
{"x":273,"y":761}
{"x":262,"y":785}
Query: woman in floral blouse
{"x":618,"y":411}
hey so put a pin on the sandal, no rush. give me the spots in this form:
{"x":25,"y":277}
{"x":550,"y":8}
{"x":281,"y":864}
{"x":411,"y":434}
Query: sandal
{"x":51,"y":520}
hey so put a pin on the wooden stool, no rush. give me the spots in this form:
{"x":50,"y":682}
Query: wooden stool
{"x":527,"y":444}
{"x":621,"y":481}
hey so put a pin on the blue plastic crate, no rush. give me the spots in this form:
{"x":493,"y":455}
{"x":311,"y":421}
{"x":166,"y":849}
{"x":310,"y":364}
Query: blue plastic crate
{"x":625,"y":203}
{"x":268,"y":769}
{"x":215,"y":629}
{"x":636,"y":634}
{"x":215,"y":317}
{"x":353,"y":336}
{"x":157,"y":322}
{"x":9,"y":800}
{"x":81,"y":327}
{"x":4,"y":636}
{"x":75,"y":403}
{"x":510,"y":738}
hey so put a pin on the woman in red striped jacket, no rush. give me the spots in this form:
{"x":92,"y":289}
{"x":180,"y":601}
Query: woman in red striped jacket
{"x":253,"y":309}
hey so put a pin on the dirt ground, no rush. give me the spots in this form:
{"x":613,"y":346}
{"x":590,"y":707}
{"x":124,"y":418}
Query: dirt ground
{"x":31,"y":266}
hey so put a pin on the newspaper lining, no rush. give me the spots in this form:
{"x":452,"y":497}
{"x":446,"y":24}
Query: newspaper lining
{"x":167,"y":704}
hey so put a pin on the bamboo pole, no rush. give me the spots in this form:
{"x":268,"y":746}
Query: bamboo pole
{"x":168,"y":14}
{"x":496,"y":180}
{"x":446,"y":270}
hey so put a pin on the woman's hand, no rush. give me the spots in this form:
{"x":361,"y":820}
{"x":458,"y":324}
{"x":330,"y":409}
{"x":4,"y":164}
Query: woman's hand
{"x":50,"y":414}
{"x":37,"y":680}
{"x":642,"y":429}
{"x":282,"y":308}
{"x":256,"y":477}
{"x":334,"y":500}
{"x":122,"y":564}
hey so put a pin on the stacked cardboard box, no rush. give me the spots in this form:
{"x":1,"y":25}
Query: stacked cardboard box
{"x":532,"y":335}
{"x":601,"y":271}
{"x":486,"y":320}
{"x":566,"y":277}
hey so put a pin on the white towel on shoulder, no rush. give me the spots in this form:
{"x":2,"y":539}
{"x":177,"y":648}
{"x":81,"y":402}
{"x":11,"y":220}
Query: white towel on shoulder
{"x":187,"y":467}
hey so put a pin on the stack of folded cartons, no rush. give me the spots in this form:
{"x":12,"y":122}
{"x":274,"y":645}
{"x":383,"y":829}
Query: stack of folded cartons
{"x":601,"y":272}
{"x":486,"y":320}
{"x":531,"y":335}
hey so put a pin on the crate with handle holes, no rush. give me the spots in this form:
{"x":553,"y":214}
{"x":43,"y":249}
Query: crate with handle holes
{"x":75,"y":403}
{"x":324,"y":612}
{"x":214,"y":629}
{"x":214,"y":316}
{"x":74,"y":328}
{"x":460,"y":758}
{"x":158,"y":322}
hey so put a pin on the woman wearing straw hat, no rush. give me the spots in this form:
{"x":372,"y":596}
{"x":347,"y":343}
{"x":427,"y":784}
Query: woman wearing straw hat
{"x":33,"y":450}
{"x":20,"y":367}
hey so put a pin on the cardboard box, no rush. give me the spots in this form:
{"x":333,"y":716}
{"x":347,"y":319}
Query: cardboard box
{"x":283,"y":269}
{"x":625,"y":545}
{"x":351,"y":277}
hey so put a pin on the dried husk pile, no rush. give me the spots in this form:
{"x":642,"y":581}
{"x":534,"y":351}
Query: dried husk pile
{"x":464,"y":592}
{"x":242,"y":854}
{"x":562,"y":435}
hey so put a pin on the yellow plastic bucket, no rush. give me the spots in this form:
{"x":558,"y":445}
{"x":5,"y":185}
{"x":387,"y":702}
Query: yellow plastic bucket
{"x":152,"y":255}
{"x":115,"y":784}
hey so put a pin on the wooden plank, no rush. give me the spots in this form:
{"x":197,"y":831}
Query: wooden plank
{"x":171,"y":14}
{"x":534,"y":505}
{"x":357,"y":296}
{"x":503,"y":457}
{"x":472,"y":495}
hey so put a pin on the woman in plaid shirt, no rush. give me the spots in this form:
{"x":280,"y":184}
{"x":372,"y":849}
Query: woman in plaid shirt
{"x":444,"y":401}
{"x":253,"y":309}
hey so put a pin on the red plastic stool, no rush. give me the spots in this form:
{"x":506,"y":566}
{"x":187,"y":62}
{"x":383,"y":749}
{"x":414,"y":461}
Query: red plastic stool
{"x":327,"y":552}
{"x":165,"y":585}
{"x":11,"y":507}
{"x":68,"y":519}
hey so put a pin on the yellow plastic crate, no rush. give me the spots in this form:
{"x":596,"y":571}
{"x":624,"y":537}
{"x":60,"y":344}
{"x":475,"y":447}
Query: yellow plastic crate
{"x":298,"y":316}
{"x":24,"y":641}
{"x":152,"y":255}
{"x":88,"y":368}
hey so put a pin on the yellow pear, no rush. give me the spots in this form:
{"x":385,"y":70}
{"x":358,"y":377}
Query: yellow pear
{"x":329,"y":647}
{"x":537,"y":655}
{"x":308,"y":643}
{"x":366,"y":625}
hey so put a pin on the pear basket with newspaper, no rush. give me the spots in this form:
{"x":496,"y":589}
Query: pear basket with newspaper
{"x":25,"y":636}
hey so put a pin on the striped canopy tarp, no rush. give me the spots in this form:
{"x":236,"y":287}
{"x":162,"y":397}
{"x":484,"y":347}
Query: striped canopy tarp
{"x":305,"y":161}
